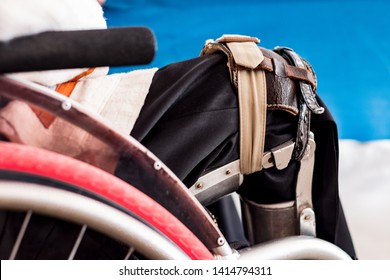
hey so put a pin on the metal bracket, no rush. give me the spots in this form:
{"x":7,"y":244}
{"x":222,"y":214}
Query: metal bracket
{"x":217,"y":183}
{"x":307,"y":222}
{"x":227,"y":179}
{"x":304,"y":205}
{"x":279,"y":156}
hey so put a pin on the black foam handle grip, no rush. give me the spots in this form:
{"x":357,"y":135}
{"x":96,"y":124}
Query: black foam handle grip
{"x":78,"y":49}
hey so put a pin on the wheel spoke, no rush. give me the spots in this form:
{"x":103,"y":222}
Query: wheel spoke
{"x":77,"y":243}
{"x":21,"y":234}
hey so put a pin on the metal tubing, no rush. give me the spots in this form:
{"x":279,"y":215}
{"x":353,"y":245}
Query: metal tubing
{"x":295,"y":248}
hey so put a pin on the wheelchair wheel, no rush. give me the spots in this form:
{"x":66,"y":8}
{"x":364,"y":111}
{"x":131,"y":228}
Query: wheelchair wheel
{"x":92,"y":214}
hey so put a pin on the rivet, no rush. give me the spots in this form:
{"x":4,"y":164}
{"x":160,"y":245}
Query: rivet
{"x":199,"y":186}
{"x":228,"y":172}
{"x":220,"y":241}
{"x":157,"y":165}
{"x":66,"y":105}
{"x":307,"y":218}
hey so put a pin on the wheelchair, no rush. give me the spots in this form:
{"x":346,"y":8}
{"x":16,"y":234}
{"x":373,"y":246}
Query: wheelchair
{"x":48,"y":195}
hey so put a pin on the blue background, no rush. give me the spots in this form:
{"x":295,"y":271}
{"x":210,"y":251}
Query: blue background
{"x":347,"y":43}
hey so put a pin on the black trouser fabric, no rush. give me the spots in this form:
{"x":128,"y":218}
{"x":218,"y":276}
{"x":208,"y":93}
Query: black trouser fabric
{"x":190,"y":121}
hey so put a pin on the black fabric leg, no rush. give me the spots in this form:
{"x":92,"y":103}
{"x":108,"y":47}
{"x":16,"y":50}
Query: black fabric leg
{"x":190,"y":117}
{"x":190,"y":121}
{"x":331,"y":222}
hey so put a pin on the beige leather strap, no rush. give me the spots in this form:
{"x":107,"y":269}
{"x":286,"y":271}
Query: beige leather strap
{"x":244,"y":57}
{"x":246,"y":54}
{"x":253,"y":108}
{"x":252,"y":96}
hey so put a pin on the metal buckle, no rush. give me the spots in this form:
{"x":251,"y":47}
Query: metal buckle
{"x":279,"y":156}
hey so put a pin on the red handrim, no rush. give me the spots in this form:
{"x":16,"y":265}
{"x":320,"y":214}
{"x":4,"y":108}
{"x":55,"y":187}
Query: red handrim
{"x":31,"y":160}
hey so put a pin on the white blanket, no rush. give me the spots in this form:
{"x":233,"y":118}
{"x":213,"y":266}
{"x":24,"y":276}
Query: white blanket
{"x":365,"y":194}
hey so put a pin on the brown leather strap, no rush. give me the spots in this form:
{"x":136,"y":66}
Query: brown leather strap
{"x":271,"y":61}
{"x":308,"y":103}
{"x":308,"y":91}
{"x":271,"y":64}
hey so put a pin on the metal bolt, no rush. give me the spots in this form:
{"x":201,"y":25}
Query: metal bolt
{"x":199,"y":186}
{"x":228,"y":172}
